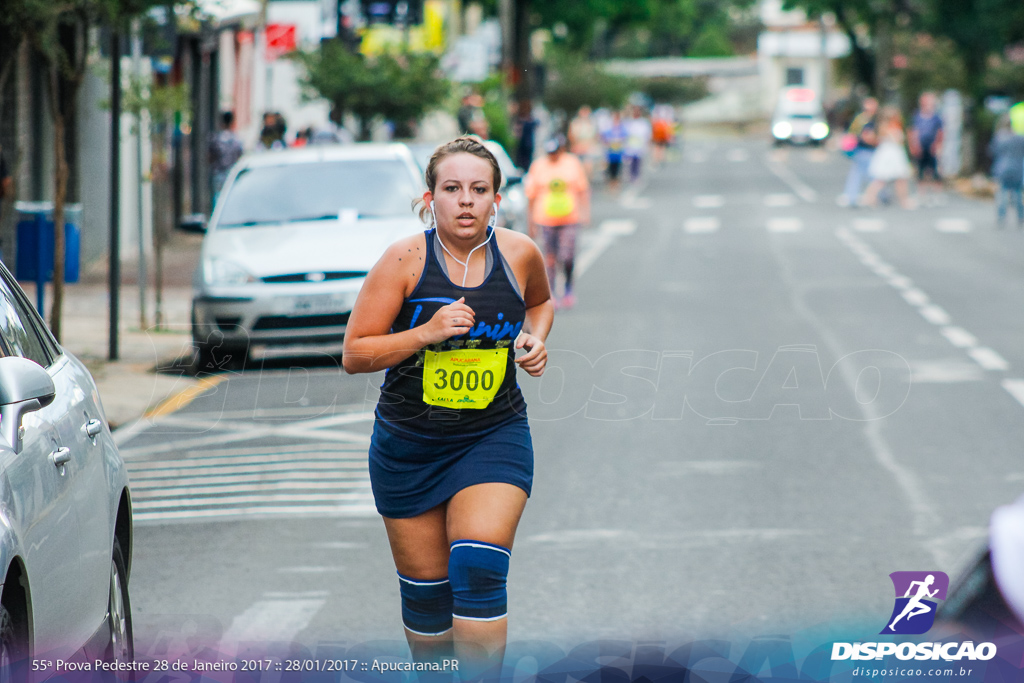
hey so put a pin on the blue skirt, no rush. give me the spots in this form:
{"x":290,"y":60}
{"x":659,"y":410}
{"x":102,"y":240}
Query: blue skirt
{"x":410,"y":476}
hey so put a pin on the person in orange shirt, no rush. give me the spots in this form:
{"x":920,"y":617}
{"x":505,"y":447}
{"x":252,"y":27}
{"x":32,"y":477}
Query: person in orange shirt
{"x":559,"y":203}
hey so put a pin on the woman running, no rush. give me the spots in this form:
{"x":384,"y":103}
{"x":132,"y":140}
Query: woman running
{"x":451,"y":459}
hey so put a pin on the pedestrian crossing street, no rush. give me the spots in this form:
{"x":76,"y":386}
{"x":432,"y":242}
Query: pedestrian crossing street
{"x":231,"y":469}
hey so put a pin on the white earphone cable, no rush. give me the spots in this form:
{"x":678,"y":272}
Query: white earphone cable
{"x":464,"y":264}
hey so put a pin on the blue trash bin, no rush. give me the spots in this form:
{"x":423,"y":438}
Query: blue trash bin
{"x":34,"y":244}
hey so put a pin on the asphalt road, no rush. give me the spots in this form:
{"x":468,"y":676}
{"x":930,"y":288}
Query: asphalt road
{"x":761,"y":406}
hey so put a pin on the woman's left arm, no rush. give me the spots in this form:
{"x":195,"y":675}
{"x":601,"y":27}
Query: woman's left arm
{"x":540,"y":312}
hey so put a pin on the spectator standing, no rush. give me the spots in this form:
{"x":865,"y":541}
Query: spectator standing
{"x":864,"y":128}
{"x":638,"y":141}
{"x":525,"y":130}
{"x":225,"y":149}
{"x":889,"y":163}
{"x":926,"y":142}
{"x":1007,"y":151}
{"x":559,"y":203}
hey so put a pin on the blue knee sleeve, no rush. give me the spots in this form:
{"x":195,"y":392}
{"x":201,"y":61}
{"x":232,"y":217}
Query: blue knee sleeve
{"x":426,"y":605}
{"x":478,"y":571}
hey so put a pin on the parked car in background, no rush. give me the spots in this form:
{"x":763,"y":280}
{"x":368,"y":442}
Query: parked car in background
{"x":799,"y":117}
{"x":66,"y":527}
{"x":512,"y":212}
{"x":291,"y":241}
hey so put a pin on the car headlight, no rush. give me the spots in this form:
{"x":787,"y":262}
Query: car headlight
{"x":782,"y":130}
{"x":819,"y":130}
{"x":218,"y":271}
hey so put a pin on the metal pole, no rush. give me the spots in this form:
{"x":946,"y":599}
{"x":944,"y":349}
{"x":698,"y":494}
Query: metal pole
{"x":137,"y":69}
{"x":115,"y":187}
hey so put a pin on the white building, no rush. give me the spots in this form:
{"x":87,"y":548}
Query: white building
{"x":793,"y":51}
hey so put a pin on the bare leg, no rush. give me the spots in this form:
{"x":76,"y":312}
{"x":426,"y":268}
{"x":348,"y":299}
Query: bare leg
{"x":488,"y":513}
{"x":903,"y":192}
{"x":871,"y":194}
{"x":419,"y":546}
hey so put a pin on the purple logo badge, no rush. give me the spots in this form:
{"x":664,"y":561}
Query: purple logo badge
{"x":917,"y":595}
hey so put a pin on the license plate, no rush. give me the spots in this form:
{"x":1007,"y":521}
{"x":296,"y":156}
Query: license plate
{"x":321,"y":304}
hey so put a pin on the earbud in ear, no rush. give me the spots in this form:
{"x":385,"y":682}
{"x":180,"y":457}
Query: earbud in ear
{"x":494,"y":218}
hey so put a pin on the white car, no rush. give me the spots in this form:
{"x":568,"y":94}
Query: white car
{"x":290,"y":243}
{"x":65,"y":508}
{"x":799,"y":117}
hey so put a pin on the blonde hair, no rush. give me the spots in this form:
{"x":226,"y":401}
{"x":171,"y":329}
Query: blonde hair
{"x":467,"y":144}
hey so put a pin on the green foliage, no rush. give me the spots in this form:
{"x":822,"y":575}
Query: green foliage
{"x":673,"y":90}
{"x":496,"y":101}
{"x":932,"y":64}
{"x":399,"y":88}
{"x":574,"y":82}
{"x":643,"y":28}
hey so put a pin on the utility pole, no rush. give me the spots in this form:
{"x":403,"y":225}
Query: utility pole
{"x":115,"y":187}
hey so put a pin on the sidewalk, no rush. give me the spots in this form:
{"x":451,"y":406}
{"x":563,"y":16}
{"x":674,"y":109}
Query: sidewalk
{"x":131,"y":386}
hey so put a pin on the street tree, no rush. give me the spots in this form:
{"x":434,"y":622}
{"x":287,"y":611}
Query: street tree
{"x":396,"y":87}
{"x":59,"y":34}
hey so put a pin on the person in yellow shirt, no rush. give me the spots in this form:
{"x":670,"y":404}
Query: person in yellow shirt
{"x":559,"y":203}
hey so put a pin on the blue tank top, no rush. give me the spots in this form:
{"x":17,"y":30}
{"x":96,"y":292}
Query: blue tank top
{"x":500,"y":311}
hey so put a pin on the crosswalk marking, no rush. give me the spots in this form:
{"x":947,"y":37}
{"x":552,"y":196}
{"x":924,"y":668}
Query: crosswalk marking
{"x":988,"y":358}
{"x":231,"y":472}
{"x":778,"y":200}
{"x":1015,"y":387}
{"x":277,"y":618}
{"x":953,"y":225}
{"x":702,"y":224}
{"x":868,"y":224}
{"x":785,"y":225}
{"x":737,"y":155}
{"x":708,"y":201}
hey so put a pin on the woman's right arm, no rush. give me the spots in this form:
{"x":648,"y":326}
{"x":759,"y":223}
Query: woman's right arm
{"x":369,"y":344}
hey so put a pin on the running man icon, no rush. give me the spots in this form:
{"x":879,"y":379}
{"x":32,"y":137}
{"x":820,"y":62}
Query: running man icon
{"x":913,"y":590}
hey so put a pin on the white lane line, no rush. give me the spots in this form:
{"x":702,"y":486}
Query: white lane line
{"x":709,"y":201}
{"x":956,"y":225}
{"x":607,"y":232}
{"x":802,"y":189}
{"x":915,"y":297}
{"x":631,"y":201}
{"x":945,"y":372}
{"x":698,"y":158}
{"x":988,"y":358}
{"x":616,"y":227}
{"x":868,"y":224}
{"x":702,"y":224}
{"x":900,"y":282}
{"x":934,"y":314}
{"x":883,"y":270}
{"x":737,"y":155}
{"x":777,"y":200}
{"x":338,"y":499}
{"x":959,"y":337}
{"x":259,"y":487}
{"x":279,"y":619}
{"x":785,"y":225}
{"x":1016,"y":389}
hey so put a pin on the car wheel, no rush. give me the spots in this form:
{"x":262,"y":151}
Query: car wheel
{"x":121,"y":647}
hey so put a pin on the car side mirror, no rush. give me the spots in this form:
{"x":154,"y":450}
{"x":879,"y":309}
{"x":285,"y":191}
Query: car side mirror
{"x":24,"y":388}
{"x":193,"y":222}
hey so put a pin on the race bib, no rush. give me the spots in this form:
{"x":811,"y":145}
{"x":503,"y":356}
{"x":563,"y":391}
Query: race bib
{"x":465,"y":378}
{"x":559,"y":202}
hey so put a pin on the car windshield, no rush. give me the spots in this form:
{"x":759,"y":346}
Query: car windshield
{"x":323,"y":190}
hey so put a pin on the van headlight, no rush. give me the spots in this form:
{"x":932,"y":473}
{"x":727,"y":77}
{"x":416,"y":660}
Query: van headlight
{"x":819,"y":130}
{"x":218,"y":271}
{"x":782,"y":130}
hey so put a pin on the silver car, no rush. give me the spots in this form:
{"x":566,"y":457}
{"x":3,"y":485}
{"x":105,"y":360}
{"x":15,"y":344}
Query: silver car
{"x":290,"y":243}
{"x":66,"y":521}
